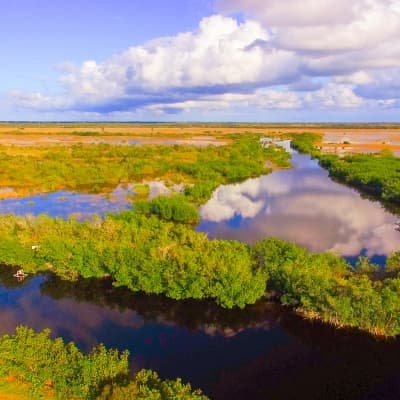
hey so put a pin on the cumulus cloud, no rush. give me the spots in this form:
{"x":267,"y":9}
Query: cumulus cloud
{"x":222,"y":56}
{"x":284,"y":55}
{"x":383,"y":85}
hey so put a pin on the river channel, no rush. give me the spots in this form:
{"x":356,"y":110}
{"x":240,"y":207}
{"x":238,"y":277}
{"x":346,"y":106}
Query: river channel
{"x":262,"y":352}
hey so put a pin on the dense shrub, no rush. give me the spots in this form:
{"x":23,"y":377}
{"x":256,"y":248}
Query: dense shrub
{"x":52,"y":365}
{"x":375,"y":174}
{"x":139,"y":252}
{"x":171,"y":208}
{"x":325,"y":286}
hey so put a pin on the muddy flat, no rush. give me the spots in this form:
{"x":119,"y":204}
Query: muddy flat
{"x":340,"y":139}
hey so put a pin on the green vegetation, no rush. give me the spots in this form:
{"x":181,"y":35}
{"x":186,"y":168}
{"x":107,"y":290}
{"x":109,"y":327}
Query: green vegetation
{"x":154,"y":249}
{"x":147,"y":254}
{"x":142,"y":253}
{"x":101,"y":167}
{"x":171,"y":208}
{"x":324,"y":286}
{"x":52,"y":366}
{"x":375,"y":174}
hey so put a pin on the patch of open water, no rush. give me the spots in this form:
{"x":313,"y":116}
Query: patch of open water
{"x":264,"y":351}
{"x":305,"y":206}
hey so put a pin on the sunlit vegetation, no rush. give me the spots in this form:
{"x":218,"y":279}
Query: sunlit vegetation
{"x":375,"y":174}
{"x":142,"y":253}
{"x":147,"y":254}
{"x":324,"y":286}
{"x":171,"y":208}
{"x":102,"y":167}
{"x":55,"y":369}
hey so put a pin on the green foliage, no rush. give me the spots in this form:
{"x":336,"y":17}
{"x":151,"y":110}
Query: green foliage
{"x":375,"y":174}
{"x":201,"y":191}
{"x":171,"y":208}
{"x":305,"y":142}
{"x":44,"y":363}
{"x":393,"y":263}
{"x":148,"y":386}
{"x":142,"y":253}
{"x":325,"y":286}
{"x":141,"y":191}
{"x":101,"y":167}
{"x":41,"y":361}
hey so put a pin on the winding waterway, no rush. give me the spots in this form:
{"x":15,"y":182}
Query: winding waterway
{"x":305,"y":206}
{"x":264,"y":351}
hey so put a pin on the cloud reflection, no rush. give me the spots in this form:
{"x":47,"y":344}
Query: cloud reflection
{"x":301,"y":205}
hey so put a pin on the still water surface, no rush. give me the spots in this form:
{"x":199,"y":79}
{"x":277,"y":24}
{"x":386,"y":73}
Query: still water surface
{"x":301,"y":204}
{"x":261,"y":352}
{"x":305,"y":206}
{"x":264,"y":351}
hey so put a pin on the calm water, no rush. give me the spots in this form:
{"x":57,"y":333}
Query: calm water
{"x":82,"y":205}
{"x":305,"y":206}
{"x":262,"y":352}
{"x":259,"y":353}
{"x":301,"y":204}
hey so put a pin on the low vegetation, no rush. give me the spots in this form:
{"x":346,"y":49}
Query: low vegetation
{"x":148,"y":254}
{"x":55,"y":369}
{"x":324,"y":286}
{"x":170,"y":208}
{"x":101,"y":167}
{"x":375,"y":174}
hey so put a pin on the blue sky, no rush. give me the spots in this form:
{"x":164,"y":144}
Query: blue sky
{"x":217,"y":60}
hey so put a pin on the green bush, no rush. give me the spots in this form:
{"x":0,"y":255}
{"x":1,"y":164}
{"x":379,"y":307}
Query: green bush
{"x":375,"y":174}
{"x":44,"y":363}
{"x":170,"y":208}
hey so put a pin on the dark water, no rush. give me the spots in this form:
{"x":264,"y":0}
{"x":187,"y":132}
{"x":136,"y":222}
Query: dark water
{"x":305,"y":206}
{"x":262,"y":352}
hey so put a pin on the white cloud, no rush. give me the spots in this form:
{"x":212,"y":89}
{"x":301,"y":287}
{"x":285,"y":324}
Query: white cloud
{"x":324,"y":25}
{"x":383,"y":85}
{"x":334,"y":96}
{"x":329,"y":54}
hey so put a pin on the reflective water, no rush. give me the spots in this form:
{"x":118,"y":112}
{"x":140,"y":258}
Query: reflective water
{"x":81,"y":205}
{"x":64,"y":204}
{"x":301,"y":204}
{"x":305,"y":206}
{"x":264,"y":351}
{"x":261,"y":352}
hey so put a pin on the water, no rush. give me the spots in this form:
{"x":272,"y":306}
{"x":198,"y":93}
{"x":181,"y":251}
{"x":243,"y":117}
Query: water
{"x":264,"y":351}
{"x":305,"y":206}
{"x":301,"y":204}
{"x":64,"y":204}
{"x":81,"y":205}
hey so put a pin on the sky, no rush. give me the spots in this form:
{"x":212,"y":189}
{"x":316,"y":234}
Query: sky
{"x":200,"y":60}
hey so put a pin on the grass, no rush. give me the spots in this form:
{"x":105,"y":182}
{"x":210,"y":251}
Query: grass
{"x":102,"y":167}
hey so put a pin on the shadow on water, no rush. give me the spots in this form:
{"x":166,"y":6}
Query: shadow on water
{"x":264,"y":351}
